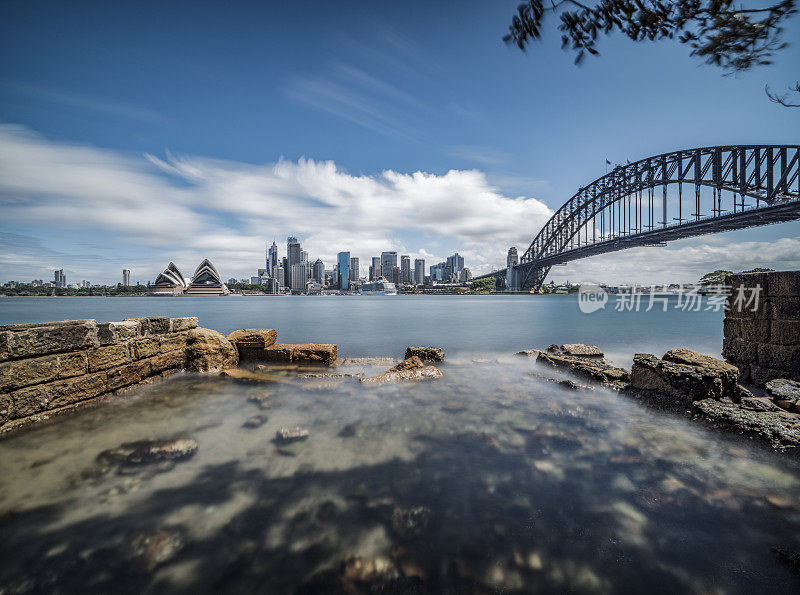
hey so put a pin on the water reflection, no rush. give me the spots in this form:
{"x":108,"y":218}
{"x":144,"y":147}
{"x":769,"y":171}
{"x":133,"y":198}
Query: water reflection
{"x":487,"y":479}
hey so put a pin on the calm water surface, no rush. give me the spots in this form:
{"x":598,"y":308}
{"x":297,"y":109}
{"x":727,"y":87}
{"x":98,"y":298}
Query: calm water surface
{"x":519,"y":484}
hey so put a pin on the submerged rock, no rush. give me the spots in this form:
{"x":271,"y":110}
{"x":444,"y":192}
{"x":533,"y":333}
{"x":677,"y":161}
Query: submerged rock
{"x":349,"y":431}
{"x":145,"y":452}
{"x":590,"y":368}
{"x":411,"y":522}
{"x":758,"y":404}
{"x":360,"y":575}
{"x":156,"y":548}
{"x":789,"y":557}
{"x":255,"y":422}
{"x":426,"y":354}
{"x":410,"y":369}
{"x":289,"y":435}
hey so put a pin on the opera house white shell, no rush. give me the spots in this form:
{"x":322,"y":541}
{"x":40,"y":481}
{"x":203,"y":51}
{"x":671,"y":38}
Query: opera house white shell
{"x":205,"y":281}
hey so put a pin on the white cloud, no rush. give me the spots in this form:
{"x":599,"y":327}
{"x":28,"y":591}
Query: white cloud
{"x":188,"y":208}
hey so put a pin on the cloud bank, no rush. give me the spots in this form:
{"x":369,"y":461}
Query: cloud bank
{"x":185,"y":208}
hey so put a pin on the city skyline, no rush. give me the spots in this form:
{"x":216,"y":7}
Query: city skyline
{"x":131,"y":160}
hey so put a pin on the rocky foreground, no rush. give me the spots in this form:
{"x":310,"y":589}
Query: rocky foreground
{"x":684,"y":380}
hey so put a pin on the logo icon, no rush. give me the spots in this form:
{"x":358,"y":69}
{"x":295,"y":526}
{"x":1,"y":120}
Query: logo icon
{"x":591,"y":297}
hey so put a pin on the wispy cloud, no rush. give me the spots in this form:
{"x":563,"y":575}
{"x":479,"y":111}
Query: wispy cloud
{"x":80,"y":101}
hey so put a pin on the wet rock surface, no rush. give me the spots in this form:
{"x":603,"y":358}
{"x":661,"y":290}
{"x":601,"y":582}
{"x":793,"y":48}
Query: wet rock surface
{"x":426,"y":354}
{"x":779,"y":430}
{"x":786,"y":393}
{"x":412,"y":368}
{"x":592,"y":368}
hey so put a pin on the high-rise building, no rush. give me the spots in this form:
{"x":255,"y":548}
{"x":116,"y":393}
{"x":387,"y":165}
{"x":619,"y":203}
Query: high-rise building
{"x":319,"y":272}
{"x":405,"y":269}
{"x":388,"y":261}
{"x":272,"y":259}
{"x":287,"y":274}
{"x":437,"y":272}
{"x":293,"y":257}
{"x":303,"y":256}
{"x":395,"y":276}
{"x":355,"y":268}
{"x":343,"y":270}
{"x":59,"y":278}
{"x":455,"y":263}
{"x":280,"y":277}
{"x":126,"y":277}
{"x":419,"y":271}
{"x":300,"y":275}
{"x":375,"y":269}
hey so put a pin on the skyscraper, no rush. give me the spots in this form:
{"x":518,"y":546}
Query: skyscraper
{"x":59,"y":278}
{"x":388,"y":261}
{"x":395,"y":276}
{"x":300,"y":275}
{"x":455,"y":263}
{"x":419,"y":271}
{"x":319,"y":272}
{"x":405,"y":269}
{"x":355,"y":268}
{"x":272,"y":259}
{"x":126,"y":277}
{"x":375,"y":269}
{"x":293,"y":257}
{"x":303,"y":256}
{"x":343,"y":270}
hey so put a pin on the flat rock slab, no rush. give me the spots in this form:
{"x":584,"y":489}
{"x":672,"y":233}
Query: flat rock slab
{"x":597,"y":370}
{"x":308,"y":353}
{"x":780,"y":430}
{"x":412,"y":368}
{"x":581,"y":350}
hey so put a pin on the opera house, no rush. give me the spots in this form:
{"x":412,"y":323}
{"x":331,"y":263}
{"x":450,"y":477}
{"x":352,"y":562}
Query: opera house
{"x":205,"y":281}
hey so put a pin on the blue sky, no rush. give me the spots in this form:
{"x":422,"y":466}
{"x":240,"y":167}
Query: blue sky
{"x":134,"y":133}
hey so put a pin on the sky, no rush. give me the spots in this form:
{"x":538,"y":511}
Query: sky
{"x":133,"y":134}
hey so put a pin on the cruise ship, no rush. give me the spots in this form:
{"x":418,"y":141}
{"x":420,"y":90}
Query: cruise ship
{"x":379,"y":287}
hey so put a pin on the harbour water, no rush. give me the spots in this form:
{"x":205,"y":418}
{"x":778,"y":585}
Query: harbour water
{"x":489,"y":479}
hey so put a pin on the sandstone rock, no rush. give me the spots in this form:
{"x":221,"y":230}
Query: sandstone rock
{"x":528,"y":353}
{"x":366,"y":361}
{"x":145,"y":347}
{"x":148,"y":452}
{"x":278,"y":353}
{"x":19,"y":373}
{"x":154,"y":325}
{"x":426,"y":354}
{"x":109,"y":333}
{"x":171,"y":360}
{"x":18,"y":341}
{"x":409,"y":523}
{"x":595,"y":369}
{"x":410,"y":369}
{"x":156,"y":548}
{"x":288,"y":435}
{"x":786,"y":393}
{"x":186,"y":323}
{"x":209,"y":351}
{"x":109,"y":356}
{"x":778,"y":429}
{"x":758,"y":404}
{"x":581,"y":350}
{"x":360,"y":575}
{"x":172,"y":342}
{"x":251,"y":342}
{"x":683,"y":382}
{"x":314,"y":353}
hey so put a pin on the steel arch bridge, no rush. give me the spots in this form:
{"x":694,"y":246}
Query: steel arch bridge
{"x":666,"y":197}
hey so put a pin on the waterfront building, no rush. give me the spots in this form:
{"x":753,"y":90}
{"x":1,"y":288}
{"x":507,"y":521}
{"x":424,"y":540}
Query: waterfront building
{"x":465,"y":276}
{"x":355,"y":268}
{"x":437,"y":272}
{"x":300,"y":275}
{"x":375,"y":269}
{"x":170,"y":282}
{"x":318,"y":272}
{"x":255,"y":280}
{"x":126,"y":277}
{"x":59,"y":278}
{"x":395,"y":276}
{"x":206,"y":281}
{"x":343,"y":264}
{"x":405,"y":269}
{"x":419,"y":271}
{"x":232,"y":281}
{"x":388,"y":261}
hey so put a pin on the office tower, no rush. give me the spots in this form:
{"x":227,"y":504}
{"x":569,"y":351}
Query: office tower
{"x":465,"y":276}
{"x":419,"y":271}
{"x":59,"y":278}
{"x":293,"y":257}
{"x":232,"y":281}
{"x":512,"y":259}
{"x":455,"y":263}
{"x":272,"y":259}
{"x":287,"y":274}
{"x":396,"y":276}
{"x":255,"y":280}
{"x":375,"y":269}
{"x":405,"y":269}
{"x":126,"y":277}
{"x":319,"y":272}
{"x":388,"y":261}
{"x":300,"y":274}
{"x":343,"y":264}
{"x":303,"y":256}
{"x":355,"y":268}
{"x":280,"y":277}
{"x":437,"y":272}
